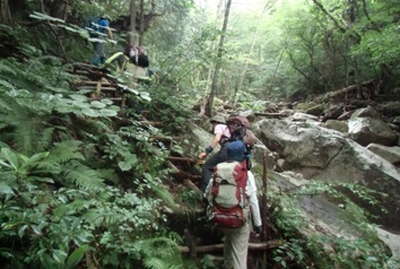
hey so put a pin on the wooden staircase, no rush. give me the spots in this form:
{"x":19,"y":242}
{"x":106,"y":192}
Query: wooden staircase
{"x":98,"y":84}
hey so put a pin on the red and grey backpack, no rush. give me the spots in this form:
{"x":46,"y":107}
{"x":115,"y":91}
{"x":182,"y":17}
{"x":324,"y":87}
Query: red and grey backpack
{"x":227,"y":195}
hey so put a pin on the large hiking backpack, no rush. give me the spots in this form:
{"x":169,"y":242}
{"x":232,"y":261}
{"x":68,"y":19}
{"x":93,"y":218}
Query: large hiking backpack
{"x":227,"y":195}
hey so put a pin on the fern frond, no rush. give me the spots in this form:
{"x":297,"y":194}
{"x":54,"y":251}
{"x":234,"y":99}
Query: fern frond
{"x":27,"y":131}
{"x":66,"y":151}
{"x":163,"y":246}
{"x":28,"y":124}
{"x":6,"y":67}
{"x":163,"y":194}
{"x":94,"y":127}
{"x":84,"y":176}
{"x":155,"y":263}
{"x":160,"y":252}
{"x":45,"y":139}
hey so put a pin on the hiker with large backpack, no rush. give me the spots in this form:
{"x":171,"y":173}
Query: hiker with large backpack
{"x":221,"y":135}
{"x":235,"y":128}
{"x":99,"y":29}
{"x":233,"y":204}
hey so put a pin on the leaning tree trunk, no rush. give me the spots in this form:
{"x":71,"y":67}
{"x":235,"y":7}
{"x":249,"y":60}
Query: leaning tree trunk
{"x":141,"y":22}
{"x":132,"y":36}
{"x":213,"y":46}
{"x":219,"y":60}
{"x":5,"y":13}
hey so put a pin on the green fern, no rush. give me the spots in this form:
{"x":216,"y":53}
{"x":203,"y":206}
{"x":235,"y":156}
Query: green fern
{"x":163,"y":194}
{"x":83,"y":176}
{"x":160,"y":253}
{"x":66,"y":151}
{"x":28,"y":125}
{"x":45,"y":139}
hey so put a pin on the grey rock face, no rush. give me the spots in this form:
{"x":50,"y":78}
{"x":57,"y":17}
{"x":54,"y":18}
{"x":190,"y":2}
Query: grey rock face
{"x":324,"y":154}
{"x":369,"y":130}
{"x":368,"y":112}
{"x":337,"y":125}
{"x":391,"y":154}
{"x":390,"y":109}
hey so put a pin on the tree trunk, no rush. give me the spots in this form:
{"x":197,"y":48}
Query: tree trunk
{"x":132,"y":37}
{"x":141,"y":22}
{"x":5,"y":13}
{"x":219,"y":60}
{"x":210,"y":70}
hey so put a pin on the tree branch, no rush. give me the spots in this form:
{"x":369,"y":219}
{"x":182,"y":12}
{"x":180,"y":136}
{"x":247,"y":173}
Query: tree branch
{"x":322,"y":8}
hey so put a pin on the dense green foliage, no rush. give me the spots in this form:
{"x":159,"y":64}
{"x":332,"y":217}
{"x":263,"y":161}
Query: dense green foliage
{"x":81,"y":179}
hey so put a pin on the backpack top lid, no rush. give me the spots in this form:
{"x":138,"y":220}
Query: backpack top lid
{"x":236,"y":151}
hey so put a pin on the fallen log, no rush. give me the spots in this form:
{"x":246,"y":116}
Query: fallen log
{"x":162,"y":138}
{"x":181,"y":159}
{"x":219,"y":247}
{"x":271,"y":115}
{"x":153,"y":123}
{"x":188,"y":183}
{"x":184,"y":174}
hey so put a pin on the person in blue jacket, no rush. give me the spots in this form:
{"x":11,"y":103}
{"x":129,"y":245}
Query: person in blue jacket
{"x":100,"y":29}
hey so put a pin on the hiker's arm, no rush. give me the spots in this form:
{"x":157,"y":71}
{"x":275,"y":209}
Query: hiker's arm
{"x":211,"y":147}
{"x":253,"y":200}
{"x":109,"y":32}
{"x":216,"y":140}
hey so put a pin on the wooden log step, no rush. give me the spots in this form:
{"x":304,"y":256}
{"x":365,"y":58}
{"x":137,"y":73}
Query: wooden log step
{"x":95,"y":88}
{"x":92,"y":82}
{"x":271,"y":115}
{"x":219,"y":247}
{"x":181,"y":159}
{"x":115,"y":98}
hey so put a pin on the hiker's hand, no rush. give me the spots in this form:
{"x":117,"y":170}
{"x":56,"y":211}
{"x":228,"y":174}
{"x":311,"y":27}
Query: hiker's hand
{"x":202,"y":155}
{"x":257,"y":229}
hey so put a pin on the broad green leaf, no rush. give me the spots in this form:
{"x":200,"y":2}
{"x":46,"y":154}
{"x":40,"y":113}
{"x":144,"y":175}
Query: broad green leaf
{"x":125,"y":165}
{"x":59,"y":255}
{"x":11,"y":157}
{"x":76,"y":256}
{"x":39,"y":156}
{"x":108,"y":113}
{"x":90,"y":112}
{"x":98,"y":104}
{"x":5,"y":189}
{"x":42,"y":179}
{"x":21,"y":231}
{"x":78,"y":97}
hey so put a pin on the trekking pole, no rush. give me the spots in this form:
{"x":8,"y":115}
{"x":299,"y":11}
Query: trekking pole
{"x":264,"y":233}
{"x":264,"y":197}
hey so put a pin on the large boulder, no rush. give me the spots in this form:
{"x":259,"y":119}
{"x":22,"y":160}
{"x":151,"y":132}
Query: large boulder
{"x":390,"y":109}
{"x":298,"y":116}
{"x":370,"y":130}
{"x":396,"y":120}
{"x":391,"y":154}
{"x":337,"y":125}
{"x":367,"y":112}
{"x":323,"y":154}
